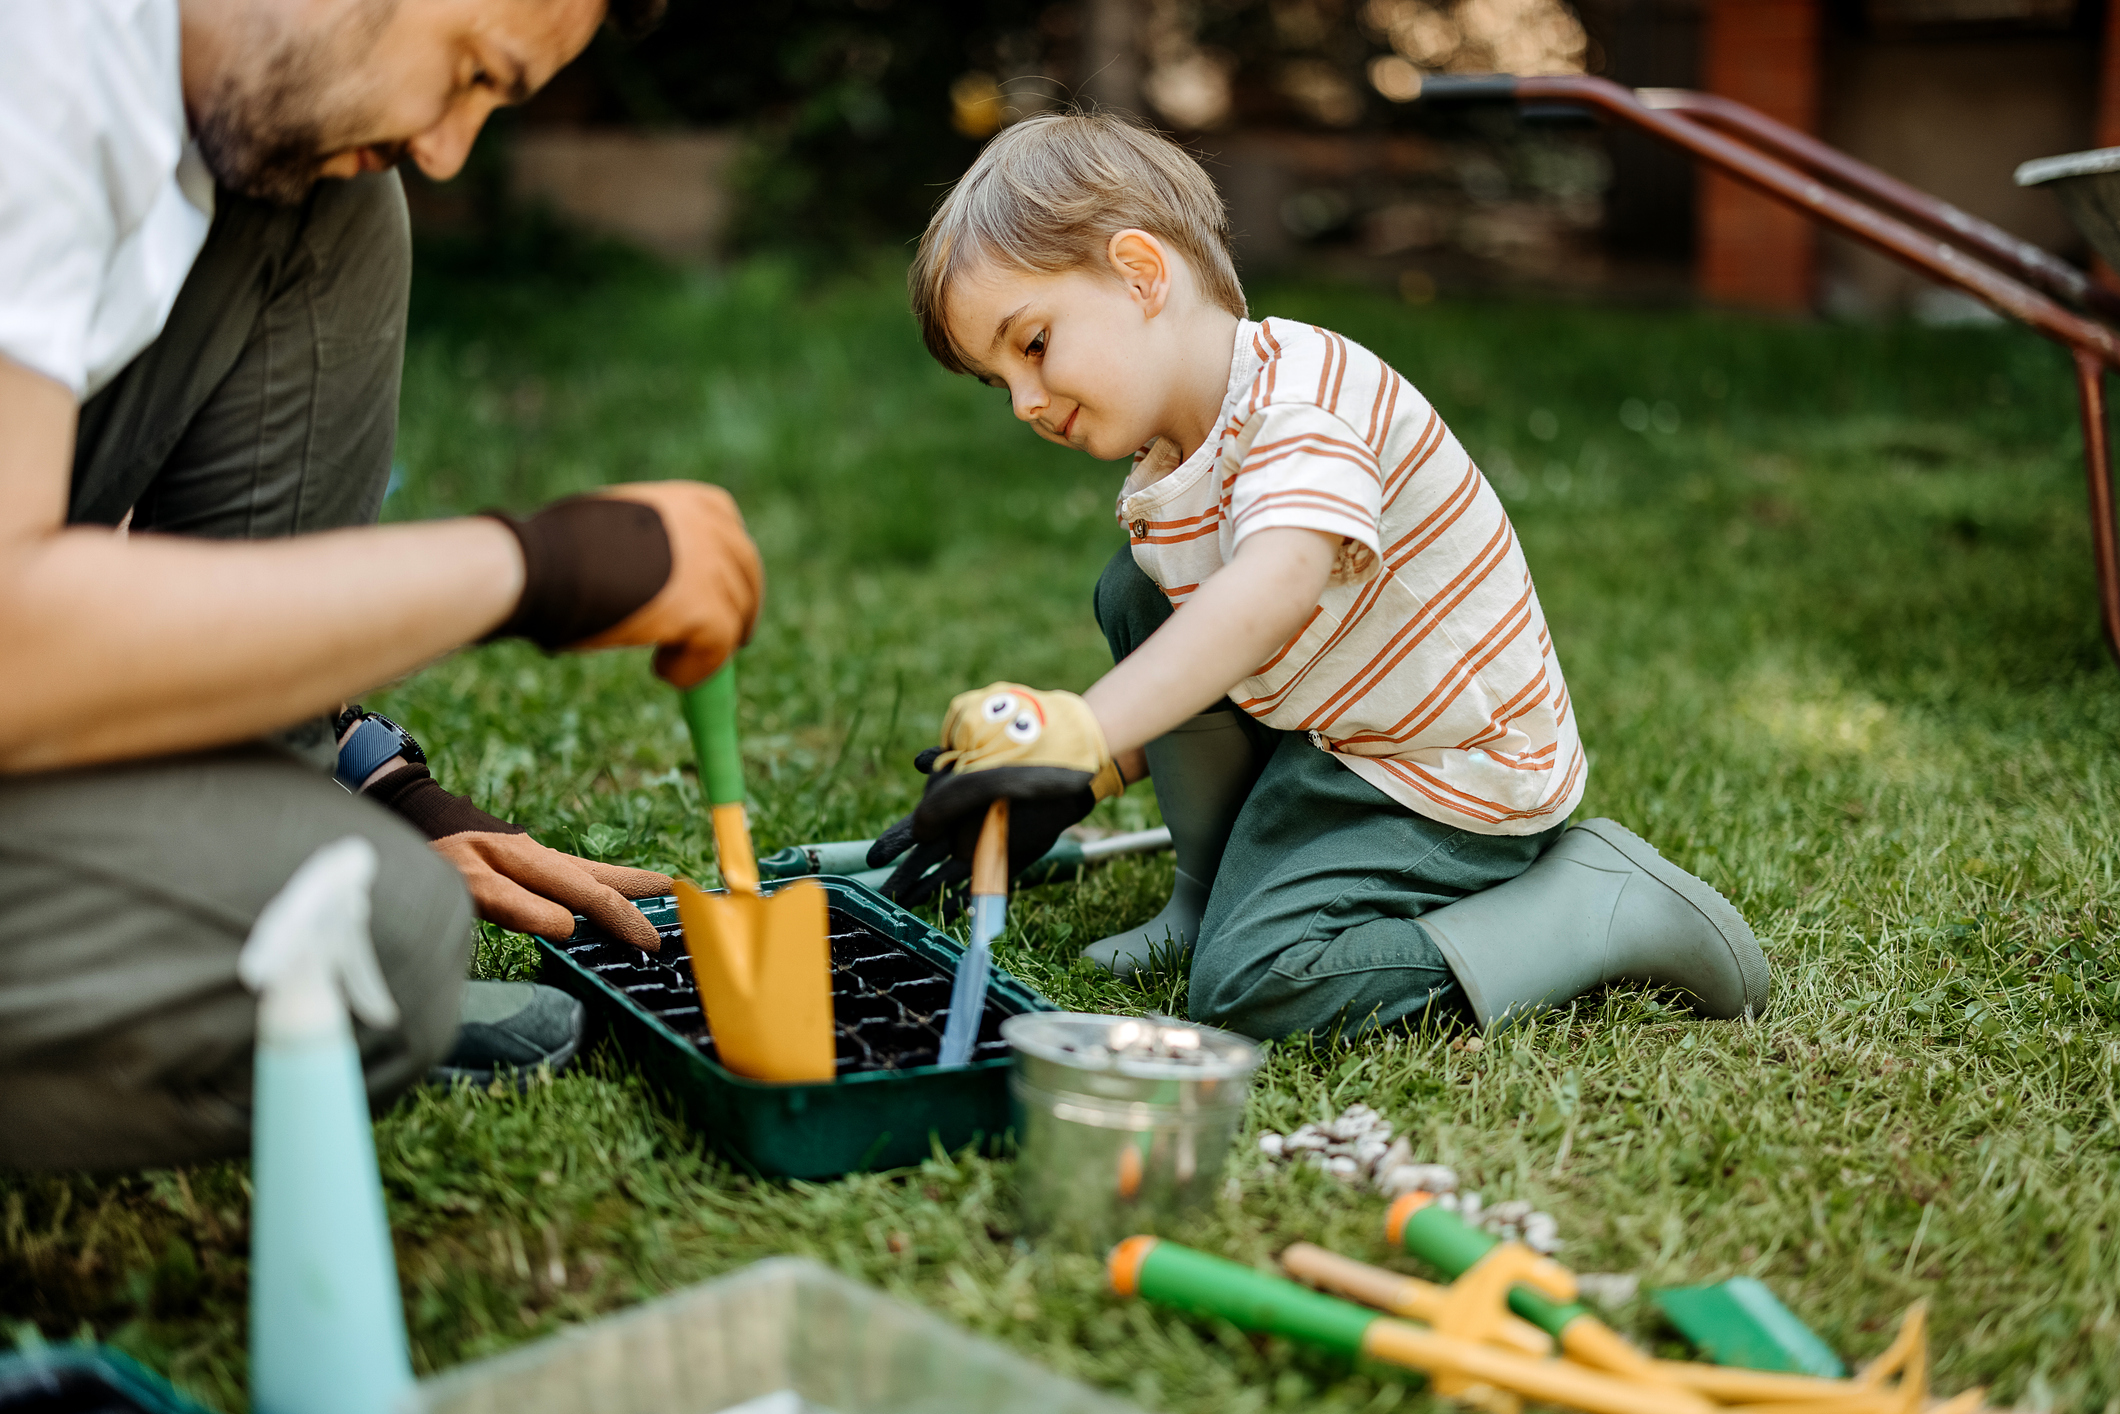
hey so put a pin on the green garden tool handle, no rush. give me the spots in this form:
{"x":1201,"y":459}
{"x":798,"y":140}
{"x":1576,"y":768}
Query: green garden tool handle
{"x":1253,"y":1300}
{"x":710,"y":711}
{"x":1453,"y":1247}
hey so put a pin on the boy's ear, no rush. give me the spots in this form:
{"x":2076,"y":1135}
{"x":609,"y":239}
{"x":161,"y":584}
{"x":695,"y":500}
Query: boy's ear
{"x":1143,"y":265}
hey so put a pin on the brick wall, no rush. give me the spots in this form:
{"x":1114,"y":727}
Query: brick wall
{"x":1753,"y":251}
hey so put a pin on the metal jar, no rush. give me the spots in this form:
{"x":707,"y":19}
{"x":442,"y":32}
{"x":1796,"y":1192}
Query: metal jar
{"x":1118,"y":1139}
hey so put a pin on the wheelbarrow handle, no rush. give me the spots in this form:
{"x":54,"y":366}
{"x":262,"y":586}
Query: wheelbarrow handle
{"x":1466,"y":88}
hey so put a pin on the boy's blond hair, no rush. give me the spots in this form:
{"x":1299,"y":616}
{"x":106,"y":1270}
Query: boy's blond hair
{"x":1048,"y":195}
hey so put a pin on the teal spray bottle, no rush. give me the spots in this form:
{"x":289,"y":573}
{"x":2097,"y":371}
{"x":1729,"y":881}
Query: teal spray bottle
{"x":327,"y":1328}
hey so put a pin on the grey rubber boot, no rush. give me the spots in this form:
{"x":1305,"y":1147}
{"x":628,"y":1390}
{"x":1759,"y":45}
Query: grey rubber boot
{"x":1600,"y":906}
{"x":1203,"y":769}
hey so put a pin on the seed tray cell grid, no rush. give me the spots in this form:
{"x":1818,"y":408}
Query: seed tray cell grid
{"x":889,"y":1005}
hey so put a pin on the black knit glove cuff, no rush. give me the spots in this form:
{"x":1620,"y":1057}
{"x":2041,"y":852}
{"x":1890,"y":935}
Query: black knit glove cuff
{"x":411,"y":793}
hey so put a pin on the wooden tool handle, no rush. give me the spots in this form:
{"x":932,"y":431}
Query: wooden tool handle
{"x":1399,"y":1295}
{"x":1344,"y":1276}
{"x":1559,"y":1382}
{"x":990,"y":859}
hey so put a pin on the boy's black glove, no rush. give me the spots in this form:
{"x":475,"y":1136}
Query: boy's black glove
{"x":1042,"y":751}
{"x":941,"y":866}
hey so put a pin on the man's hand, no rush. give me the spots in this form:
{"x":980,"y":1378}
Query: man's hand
{"x":521,"y":884}
{"x":1043,"y":751}
{"x":514,"y":881}
{"x":665,"y":564}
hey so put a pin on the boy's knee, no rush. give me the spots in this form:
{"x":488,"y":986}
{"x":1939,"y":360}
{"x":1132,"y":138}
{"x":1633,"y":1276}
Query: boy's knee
{"x":1232,"y":994}
{"x":1374,"y":973}
{"x":1129,"y":605}
{"x":1249,"y":1011}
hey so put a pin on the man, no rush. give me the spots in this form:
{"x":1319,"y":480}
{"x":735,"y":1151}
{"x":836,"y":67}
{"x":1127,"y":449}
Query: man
{"x":204,"y":263}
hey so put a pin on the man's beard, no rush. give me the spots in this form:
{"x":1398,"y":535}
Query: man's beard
{"x":263,"y":131}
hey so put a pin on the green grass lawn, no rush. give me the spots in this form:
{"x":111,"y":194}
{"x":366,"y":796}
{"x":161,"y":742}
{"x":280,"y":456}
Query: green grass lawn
{"x":1829,"y":623}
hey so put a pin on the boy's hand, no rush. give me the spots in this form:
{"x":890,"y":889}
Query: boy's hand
{"x":1042,"y":750}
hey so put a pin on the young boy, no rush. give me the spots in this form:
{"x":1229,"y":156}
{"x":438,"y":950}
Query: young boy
{"x":1330,"y":656}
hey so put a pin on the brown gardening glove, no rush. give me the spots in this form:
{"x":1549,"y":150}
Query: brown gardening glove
{"x":665,"y":564}
{"x":514,"y":881}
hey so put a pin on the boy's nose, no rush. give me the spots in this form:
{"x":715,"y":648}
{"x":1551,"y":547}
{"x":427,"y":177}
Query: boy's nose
{"x":1029,"y":403}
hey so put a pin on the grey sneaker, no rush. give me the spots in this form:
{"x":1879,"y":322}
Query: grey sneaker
{"x":519,"y":1025}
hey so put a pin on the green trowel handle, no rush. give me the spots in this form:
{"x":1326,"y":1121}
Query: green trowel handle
{"x":1452,"y":1246}
{"x":1252,"y":1300}
{"x":710,"y":711}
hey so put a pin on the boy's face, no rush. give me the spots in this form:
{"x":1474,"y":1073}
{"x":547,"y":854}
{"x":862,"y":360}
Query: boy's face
{"x":1078,"y":353}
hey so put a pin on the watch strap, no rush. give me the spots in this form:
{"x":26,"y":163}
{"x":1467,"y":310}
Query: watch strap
{"x":375,"y":740}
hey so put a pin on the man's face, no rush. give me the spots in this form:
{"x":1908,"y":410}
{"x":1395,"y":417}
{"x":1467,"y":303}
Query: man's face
{"x":303,"y":89}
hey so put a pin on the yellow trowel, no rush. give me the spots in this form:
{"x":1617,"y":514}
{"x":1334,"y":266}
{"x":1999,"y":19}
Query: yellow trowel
{"x":763,"y":962}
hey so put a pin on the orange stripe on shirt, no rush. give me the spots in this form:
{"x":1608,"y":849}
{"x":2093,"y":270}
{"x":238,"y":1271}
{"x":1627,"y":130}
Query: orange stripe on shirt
{"x":1381,"y":408}
{"x":1289,"y":646}
{"x":1311,"y":445}
{"x":1444,"y":694}
{"x":1357,"y":615}
{"x":1417,"y":628}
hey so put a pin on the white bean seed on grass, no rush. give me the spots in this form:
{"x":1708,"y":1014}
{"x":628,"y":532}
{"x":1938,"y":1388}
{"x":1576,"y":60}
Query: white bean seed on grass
{"x":1357,"y":1147}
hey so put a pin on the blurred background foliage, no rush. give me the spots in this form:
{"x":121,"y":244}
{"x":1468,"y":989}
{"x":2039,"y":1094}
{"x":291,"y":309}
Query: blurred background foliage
{"x":828,"y":129}
{"x":855,"y":115}
{"x":843,"y":102}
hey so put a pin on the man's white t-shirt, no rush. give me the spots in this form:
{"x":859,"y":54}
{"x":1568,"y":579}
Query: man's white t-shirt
{"x":104,"y":201}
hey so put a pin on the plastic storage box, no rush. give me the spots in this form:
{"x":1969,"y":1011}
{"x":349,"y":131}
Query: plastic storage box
{"x":785,"y":1336}
{"x":891,"y":988}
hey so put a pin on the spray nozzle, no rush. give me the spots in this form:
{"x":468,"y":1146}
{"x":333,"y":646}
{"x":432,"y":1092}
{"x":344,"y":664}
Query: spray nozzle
{"x":309,"y":956}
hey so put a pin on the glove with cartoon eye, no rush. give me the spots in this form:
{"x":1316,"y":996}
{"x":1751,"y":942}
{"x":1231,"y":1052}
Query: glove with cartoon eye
{"x":1042,"y":751}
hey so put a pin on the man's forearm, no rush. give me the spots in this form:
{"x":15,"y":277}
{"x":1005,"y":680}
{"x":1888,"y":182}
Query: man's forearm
{"x":113,"y":649}
{"x":1239,"y":618}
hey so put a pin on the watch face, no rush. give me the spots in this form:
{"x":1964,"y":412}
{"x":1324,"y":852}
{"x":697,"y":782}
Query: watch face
{"x":407,"y":746}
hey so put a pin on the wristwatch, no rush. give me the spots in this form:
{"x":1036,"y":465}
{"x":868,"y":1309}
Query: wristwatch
{"x":375,"y":739}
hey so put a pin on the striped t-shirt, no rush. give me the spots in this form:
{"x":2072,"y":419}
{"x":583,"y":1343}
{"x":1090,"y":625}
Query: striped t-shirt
{"x":1426,"y":668}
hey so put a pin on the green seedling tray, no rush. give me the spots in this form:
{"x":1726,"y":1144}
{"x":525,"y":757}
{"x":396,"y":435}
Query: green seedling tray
{"x":866,"y":1120}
